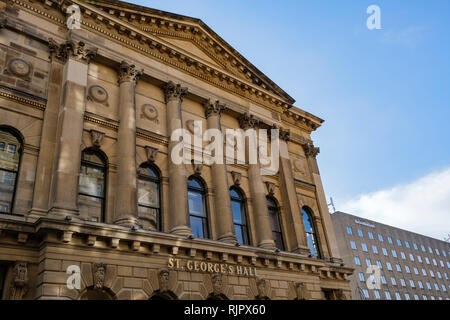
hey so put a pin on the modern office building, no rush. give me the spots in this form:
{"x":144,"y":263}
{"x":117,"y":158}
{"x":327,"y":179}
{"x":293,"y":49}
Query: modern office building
{"x":90,"y":94}
{"x":412,"y":266}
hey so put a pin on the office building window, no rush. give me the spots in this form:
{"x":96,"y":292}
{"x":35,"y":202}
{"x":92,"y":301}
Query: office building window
{"x":429,"y":286}
{"x":411,"y":257}
{"x":415,"y":246}
{"x":402,"y":254}
{"x":380,"y":238}
{"x":416,"y":297}
{"x":430,"y":250}
{"x":389,"y":239}
{"x":364,"y":247}
{"x":419,"y":258}
{"x":353,"y":245}
{"x":434,"y":262}
{"x":379,"y":264}
{"x":412,"y":284}
{"x":349,"y":230}
{"x":368,"y":262}
{"x":437,"y":251}
{"x":360,"y":233}
{"x":393,"y":281}
{"x":407,"y":296}
{"x":361,"y":277}
{"x":399,"y":242}
{"x":394,"y":253}
{"x":431,"y":273}
{"x":424,"y":272}
{"x":388,"y":295}
{"x":422,"y":247}
{"x":420,"y":284}
{"x":407,"y":244}
{"x":402,"y":281}
{"x":377,"y":294}
{"x":383,"y":280}
{"x":407,"y":269}
{"x":198,"y":213}
{"x":427,"y":260}
{"x":439,"y":275}
{"x":389,"y":266}
{"x":424,"y":297}
{"x":370,"y":234}
{"x":397,"y":266}
{"x":357,"y":261}
{"x":397,"y":296}
{"x":416,"y":271}
{"x":375,"y":249}
{"x":384,"y":251}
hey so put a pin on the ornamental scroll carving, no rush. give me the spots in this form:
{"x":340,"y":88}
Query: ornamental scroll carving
{"x":174,"y":91}
{"x":19,"y":283}
{"x":128,"y":72}
{"x":213,"y":107}
{"x":76,"y":50}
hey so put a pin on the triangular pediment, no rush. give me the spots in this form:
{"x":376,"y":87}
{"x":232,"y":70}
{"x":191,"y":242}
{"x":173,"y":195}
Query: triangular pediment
{"x":194,"y":39}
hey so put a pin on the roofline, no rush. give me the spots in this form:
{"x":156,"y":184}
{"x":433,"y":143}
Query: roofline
{"x":132,"y":6}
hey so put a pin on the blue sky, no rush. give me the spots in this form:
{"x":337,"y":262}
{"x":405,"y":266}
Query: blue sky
{"x":383,"y":93}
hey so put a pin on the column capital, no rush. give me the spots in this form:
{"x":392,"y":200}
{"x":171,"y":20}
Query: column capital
{"x":128,"y":72}
{"x":174,"y":91}
{"x":3,"y":20}
{"x":72,"y":49}
{"x":247,"y":121}
{"x":310,"y":150}
{"x":213,"y":107}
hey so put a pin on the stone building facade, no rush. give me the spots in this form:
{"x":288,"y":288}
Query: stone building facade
{"x":93,"y":207}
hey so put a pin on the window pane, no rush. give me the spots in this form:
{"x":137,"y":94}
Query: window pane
{"x":148,"y":193}
{"x":274,"y":221}
{"x":311,"y":244}
{"x":149,"y":214}
{"x":234,"y":194}
{"x":91,"y":207}
{"x":237,"y":212}
{"x":278,"y":240}
{"x":91,"y":181}
{"x":195,"y":203}
{"x":192,"y":183}
{"x":7,"y":183}
{"x":198,"y":227}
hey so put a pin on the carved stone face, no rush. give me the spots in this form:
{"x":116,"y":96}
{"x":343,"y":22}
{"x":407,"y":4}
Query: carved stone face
{"x":163,"y":280}
{"x":99,"y":277}
{"x":299,"y":288}
{"x":261,"y":286}
{"x":217,"y":283}
{"x":20,"y":274}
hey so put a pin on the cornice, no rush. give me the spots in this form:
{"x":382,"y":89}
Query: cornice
{"x":137,"y":39}
{"x":13,"y":96}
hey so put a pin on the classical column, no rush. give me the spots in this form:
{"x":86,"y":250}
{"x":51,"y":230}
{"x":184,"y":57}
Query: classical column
{"x":126,"y":188}
{"x":325,"y":231}
{"x":262,"y":221}
{"x":178,"y":197}
{"x":222,"y":202}
{"x":49,"y":139}
{"x":296,"y":236}
{"x":70,"y":125}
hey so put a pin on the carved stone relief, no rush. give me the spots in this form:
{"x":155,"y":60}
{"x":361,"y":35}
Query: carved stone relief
{"x":150,"y":112}
{"x":19,"y":283}
{"x":98,"y":94}
{"x":19,"y":68}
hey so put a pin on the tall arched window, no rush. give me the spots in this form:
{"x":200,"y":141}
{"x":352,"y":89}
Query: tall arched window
{"x":274,"y":216}
{"x":92,"y":185}
{"x":10,"y":154}
{"x":197,"y":208}
{"x":149,"y":200}
{"x":311,"y":236}
{"x":239,"y":216}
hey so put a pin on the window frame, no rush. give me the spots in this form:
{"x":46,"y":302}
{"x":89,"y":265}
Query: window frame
{"x":243,"y":206}
{"x":202,"y":191}
{"x":157,"y":180}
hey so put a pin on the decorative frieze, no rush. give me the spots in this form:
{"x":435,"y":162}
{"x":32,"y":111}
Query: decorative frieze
{"x":76,"y":50}
{"x":310,"y":150}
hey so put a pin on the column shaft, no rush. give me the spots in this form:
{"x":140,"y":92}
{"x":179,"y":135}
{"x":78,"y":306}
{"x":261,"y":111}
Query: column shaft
{"x":178,"y":196}
{"x":126,"y":188}
{"x":222,"y":202}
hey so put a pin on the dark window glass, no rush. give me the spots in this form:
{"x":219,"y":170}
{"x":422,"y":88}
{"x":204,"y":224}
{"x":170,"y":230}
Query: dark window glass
{"x":274,"y":216}
{"x":197,"y":208}
{"x":9,"y":168}
{"x":91,"y":185}
{"x":311,"y":236}
{"x":149,"y":207}
{"x":239,"y":216}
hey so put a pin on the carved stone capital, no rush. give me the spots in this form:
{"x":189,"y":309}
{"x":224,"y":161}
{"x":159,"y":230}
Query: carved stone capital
{"x":19,"y":282}
{"x":285,"y":135}
{"x":213,"y":107}
{"x":310,"y":150}
{"x":248,"y":121}
{"x":97,"y":138}
{"x":128,"y":72}
{"x":76,"y":50}
{"x":174,"y":91}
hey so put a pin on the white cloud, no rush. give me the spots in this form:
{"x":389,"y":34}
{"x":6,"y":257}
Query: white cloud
{"x":422,"y":206}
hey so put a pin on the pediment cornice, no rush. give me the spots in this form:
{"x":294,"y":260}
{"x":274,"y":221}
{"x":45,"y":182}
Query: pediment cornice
{"x":119,"y":28}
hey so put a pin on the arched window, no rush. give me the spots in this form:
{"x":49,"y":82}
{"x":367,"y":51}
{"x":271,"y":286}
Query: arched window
{"x":91,"y":185}
{"x":274,"y":216}
{"x":239,"y":216}
{"x":311,"y":236}
{"x":10,"y":154}
{"x":149,"y":201}
{"x":197,"y":208}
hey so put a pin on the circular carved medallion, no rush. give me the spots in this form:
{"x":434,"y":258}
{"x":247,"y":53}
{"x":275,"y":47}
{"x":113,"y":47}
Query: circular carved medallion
{"x":150,"y":112}
{"x":98,"y":94}
{"x":19,"y":67}
{"x":298,"y":166}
